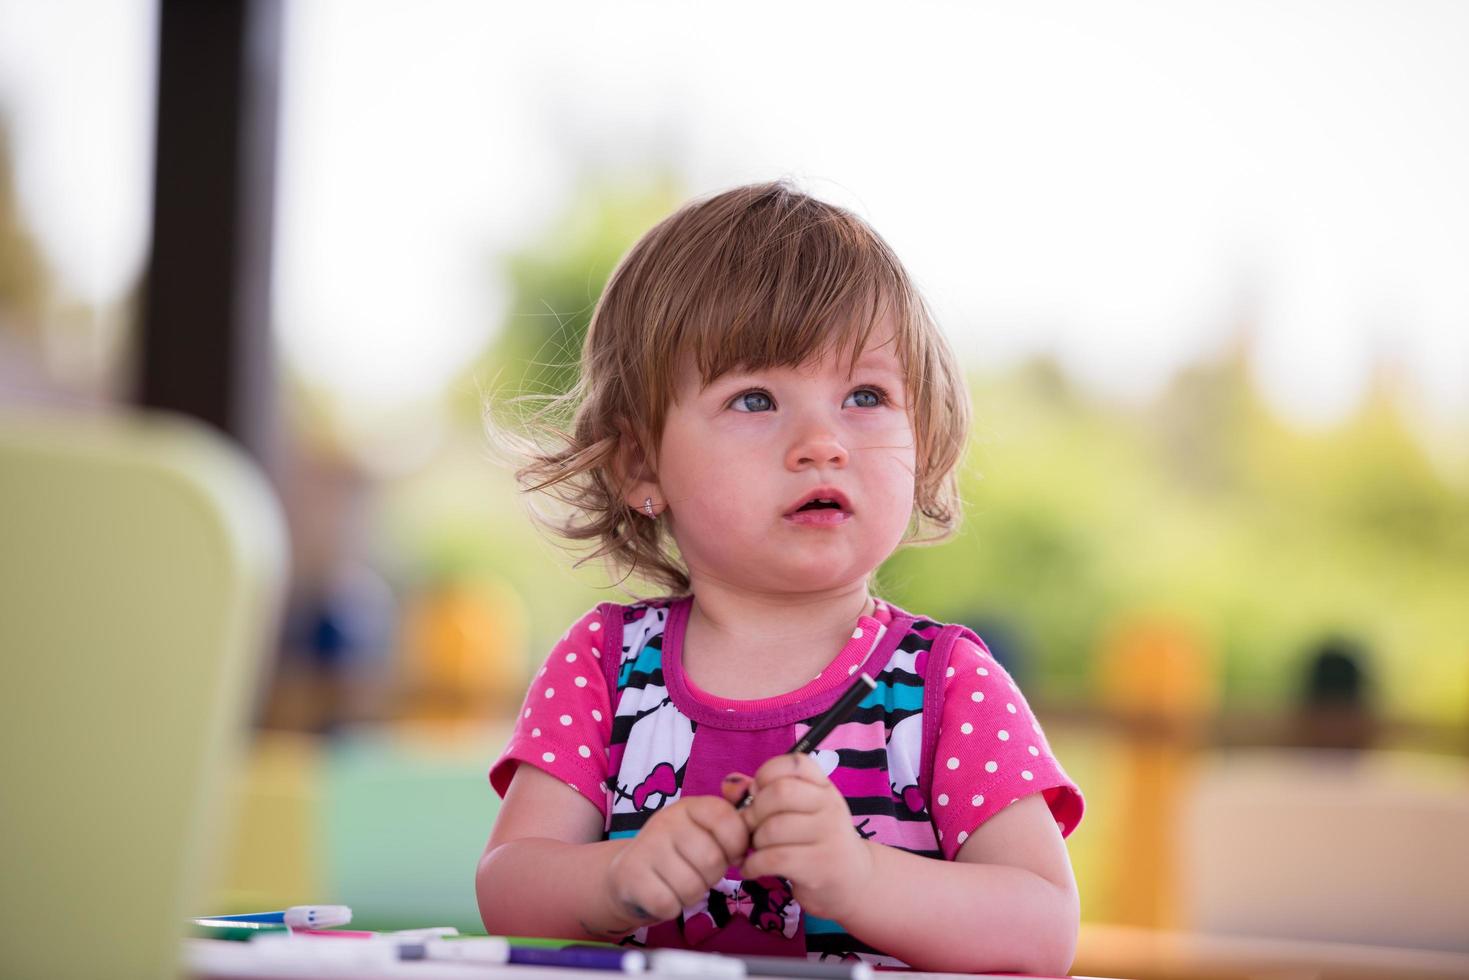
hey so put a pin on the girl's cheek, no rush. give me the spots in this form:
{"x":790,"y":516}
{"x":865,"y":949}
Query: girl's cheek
{"x":723,"y":510}
{"x":886,"y":434}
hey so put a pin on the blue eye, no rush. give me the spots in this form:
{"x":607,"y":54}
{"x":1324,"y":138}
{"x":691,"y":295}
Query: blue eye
{"x":752,"y":401}
{"x":869,"y":397}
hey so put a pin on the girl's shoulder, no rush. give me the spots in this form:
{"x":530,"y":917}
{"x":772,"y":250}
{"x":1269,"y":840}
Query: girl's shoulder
{"x":932,"y":647}
{"x":627,"y":612}
{"x":927,"y":628}
{"x":630,"y":625}
{"x":641,"y":608}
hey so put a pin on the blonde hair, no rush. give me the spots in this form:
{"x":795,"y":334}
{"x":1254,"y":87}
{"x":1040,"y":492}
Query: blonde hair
{"x":756,"y":277}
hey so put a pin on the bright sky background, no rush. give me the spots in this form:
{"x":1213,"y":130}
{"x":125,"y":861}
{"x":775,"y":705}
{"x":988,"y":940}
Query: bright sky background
{"x":1116,"y":183}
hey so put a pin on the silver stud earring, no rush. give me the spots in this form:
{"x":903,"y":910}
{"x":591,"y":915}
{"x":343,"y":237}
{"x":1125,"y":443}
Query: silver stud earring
{"x":648,"y":506}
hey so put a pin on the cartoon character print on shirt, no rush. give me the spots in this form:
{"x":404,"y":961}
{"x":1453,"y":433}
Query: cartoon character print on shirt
{"x":647,"y":781}
{"x":767,"y":902}
{"x":648,"y":765}
{"x":905,"y":739}
{"x":662,"y":782}
{"x":905,"y":747}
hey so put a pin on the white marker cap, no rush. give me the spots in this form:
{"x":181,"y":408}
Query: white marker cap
{"x":317,"y":916}
{"x":688,"y":963}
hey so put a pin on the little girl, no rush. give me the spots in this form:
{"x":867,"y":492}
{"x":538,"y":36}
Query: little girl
{"x":766,"y":411}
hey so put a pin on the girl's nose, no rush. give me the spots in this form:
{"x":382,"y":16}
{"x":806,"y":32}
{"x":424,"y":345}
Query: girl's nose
{"x":817,"y":447}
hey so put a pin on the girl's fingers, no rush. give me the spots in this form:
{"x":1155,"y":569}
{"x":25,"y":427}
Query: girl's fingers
{"x":649,"y":898}
{"x":785,"y":862}
{"x":785,"y":829}
{"x":733,"y":835}
{"x":727,"y":827}
{"x":800,"y":765}
{"x":787,"y":795}
{"x":682,"y":879}
{"x":704,"y":853}
{"x":734,"y":787}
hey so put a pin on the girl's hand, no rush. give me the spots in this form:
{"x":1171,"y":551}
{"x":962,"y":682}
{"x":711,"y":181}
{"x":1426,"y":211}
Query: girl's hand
{"x":801,"y":830}
{"x":680,"y":853}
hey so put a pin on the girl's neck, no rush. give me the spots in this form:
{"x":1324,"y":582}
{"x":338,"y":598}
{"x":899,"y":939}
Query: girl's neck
{"x":744,"y":645}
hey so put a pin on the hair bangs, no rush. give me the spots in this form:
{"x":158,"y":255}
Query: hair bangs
{"x":795,"y":294}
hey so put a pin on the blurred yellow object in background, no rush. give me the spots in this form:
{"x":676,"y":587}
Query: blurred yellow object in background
{"x":141,"y":569}
{"x":462,"y":652}
{"x":1157,"y":671}
{"x":274,"y":858}
{"x":1156,"y":679}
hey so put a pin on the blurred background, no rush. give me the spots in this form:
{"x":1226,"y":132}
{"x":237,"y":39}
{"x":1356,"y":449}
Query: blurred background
{"x":1205,"y":267}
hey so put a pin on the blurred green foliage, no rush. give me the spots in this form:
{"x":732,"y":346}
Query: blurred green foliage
{"x":554,"y":283}
{"x":1205,"y":509}
{"x":1202,"y":508}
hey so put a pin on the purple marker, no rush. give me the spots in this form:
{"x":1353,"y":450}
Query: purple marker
{"x":496,"y":950}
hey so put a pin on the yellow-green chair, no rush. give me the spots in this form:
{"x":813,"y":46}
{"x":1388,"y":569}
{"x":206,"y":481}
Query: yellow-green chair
{"x":142,"y":563}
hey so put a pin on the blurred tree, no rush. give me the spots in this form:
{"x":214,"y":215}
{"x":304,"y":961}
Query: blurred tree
{"x":555,"y":281}
{"x":1385,"y":487}
{"x":1206,"y":507}
{"x":1031,"y":552}
{"x":456,"y":519}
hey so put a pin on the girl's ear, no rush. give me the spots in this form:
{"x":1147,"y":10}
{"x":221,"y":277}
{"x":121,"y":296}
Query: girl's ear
{"x":635,"y":474}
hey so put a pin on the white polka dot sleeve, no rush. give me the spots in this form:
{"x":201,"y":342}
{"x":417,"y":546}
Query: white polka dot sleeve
{"x":565,"y":724}
{"x":990,"y":752}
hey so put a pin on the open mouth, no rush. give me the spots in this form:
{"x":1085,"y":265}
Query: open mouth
{"x":821,"y":499}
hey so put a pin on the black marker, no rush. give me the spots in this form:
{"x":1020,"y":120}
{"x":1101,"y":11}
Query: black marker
{"x":834,"y":716}
{"x":785,"y":966}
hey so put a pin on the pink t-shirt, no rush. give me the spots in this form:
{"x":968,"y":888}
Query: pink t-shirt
{"x":989,"y":750}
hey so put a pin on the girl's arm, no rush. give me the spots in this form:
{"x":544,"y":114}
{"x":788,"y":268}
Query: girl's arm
{"x":1007,"y":903}
{"x":546,"y":837}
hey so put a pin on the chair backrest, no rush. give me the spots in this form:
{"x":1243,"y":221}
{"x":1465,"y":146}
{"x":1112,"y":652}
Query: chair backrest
{"x":1330,"y":846}
{"x":142,"y":564}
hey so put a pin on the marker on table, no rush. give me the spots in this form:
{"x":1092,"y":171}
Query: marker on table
{"x":692,"y":963}
{"x":784,"y":966}
{"x":494,"y":950}
{"x":732,"y":966}
{"x":833,"y":717}
{"x":400,"y":935}
{"x":295,"y":917}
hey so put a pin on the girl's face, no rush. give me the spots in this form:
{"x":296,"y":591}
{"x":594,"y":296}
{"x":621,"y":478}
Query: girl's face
{"x":740,"y":458}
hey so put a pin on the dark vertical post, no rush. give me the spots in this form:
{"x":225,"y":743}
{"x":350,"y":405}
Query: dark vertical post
{"x":206,"y":345}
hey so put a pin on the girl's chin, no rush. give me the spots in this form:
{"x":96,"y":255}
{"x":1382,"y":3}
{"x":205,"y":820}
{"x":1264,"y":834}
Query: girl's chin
{"x":809,"y":577}
{"x":800,"y":561}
